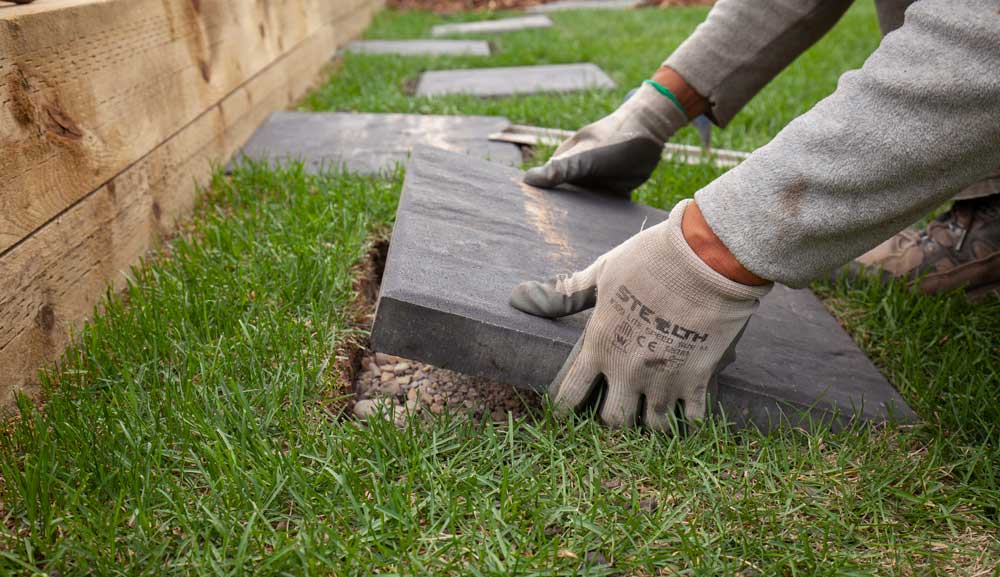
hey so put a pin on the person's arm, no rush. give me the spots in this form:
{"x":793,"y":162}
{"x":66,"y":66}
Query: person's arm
{"x":914,"y":125}
{"x":918,"y":122}
{"x":744,"y":44}
{"x":741,"y":46}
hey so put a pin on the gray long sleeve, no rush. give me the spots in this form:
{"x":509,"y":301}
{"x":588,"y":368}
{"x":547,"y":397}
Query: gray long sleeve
{"x":918,"y":122}
{"x":744,"y":44}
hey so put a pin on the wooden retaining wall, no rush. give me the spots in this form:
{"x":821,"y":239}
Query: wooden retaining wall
{"x":111,"y":112}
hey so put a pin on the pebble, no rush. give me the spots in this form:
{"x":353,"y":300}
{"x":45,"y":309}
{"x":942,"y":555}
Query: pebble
{"x":390,"y":389}
{"x":371,"y":407}
{"x":414,"y":388}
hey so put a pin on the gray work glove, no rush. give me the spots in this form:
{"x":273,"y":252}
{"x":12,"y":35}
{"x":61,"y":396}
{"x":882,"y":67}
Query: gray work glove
{"x":618,"y":152}
{"x":664,"y":325}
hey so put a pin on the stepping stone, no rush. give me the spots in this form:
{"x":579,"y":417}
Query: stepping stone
{"x":513,"y":80}
{"x":584,"y":5}
{"x":493,"y":26}
{"x":371,"y":143}
{"x":422,"y":47}
{"x":468,"y":231}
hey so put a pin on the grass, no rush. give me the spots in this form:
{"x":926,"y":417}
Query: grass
{"x":627,"y":45}
{"x":193,"y":430}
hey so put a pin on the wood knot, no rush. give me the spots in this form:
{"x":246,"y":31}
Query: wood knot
{"x":46,"y":318}
{"x":60,"y":124}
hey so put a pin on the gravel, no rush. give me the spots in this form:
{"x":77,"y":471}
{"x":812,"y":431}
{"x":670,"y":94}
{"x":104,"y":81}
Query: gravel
{"x":394,"y":388}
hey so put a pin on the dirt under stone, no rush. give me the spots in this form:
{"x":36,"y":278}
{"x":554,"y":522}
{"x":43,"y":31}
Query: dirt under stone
{"x":450,"y":6}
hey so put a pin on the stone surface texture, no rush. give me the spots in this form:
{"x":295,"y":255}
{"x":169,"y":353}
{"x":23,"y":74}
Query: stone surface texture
{"x":514,"y":80}
{"x":422,"y":47}
{"x":371,"y":143}
{"x":493,"y":26}
{"x":467,"y":231}
{"x":583,"y":5}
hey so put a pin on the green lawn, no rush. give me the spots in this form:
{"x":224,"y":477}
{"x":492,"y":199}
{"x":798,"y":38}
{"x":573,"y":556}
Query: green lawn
{"x":195,"y":429}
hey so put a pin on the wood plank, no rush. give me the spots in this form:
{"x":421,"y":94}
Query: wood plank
{"x":537,"y":135}
{"x":90,"y":87}
{"x":51,"y":282}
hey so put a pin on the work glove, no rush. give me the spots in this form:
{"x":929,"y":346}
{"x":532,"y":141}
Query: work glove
{"x":618,"y":152}
{"x":664,"y":325}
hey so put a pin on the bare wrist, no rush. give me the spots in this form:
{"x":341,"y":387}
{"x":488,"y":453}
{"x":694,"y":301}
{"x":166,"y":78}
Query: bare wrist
{"x":694,"y":104}
{"x":711,"y":251}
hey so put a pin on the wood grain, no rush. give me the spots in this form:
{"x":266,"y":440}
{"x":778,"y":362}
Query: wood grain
{"x":66,"y":243}
{"x":89,"y":88}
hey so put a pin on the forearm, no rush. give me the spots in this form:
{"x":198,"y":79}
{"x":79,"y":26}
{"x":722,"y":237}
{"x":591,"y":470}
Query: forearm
{"x":743,"y":44}
{"x":898,"y":137}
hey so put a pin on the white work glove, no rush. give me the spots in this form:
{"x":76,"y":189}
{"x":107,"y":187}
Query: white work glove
{"x":618,"y":152}
{"x":664,"y":325}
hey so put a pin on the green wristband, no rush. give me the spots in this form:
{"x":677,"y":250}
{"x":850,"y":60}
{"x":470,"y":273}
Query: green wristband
{"x":666,"y":92}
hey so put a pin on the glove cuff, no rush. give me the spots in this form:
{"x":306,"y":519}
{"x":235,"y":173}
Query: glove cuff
{"x":673,"y":263}
{"x":660,"y":115}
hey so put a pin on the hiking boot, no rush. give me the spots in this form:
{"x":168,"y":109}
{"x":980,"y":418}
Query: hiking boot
{"x":959,"y":249}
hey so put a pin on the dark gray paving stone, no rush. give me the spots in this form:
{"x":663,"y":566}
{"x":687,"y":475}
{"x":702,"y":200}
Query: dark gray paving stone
{"x":422,"y":47}
{"x":370,"y":143}
{"x":583,"y":5}
{"x":514,"y":80}
{"x":493,"y":26}
{"x":467,"y":231}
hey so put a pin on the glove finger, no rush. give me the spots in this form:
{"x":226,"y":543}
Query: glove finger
{"x":542,"y":299}
{"x":659,"y":414}
{"x":559,"y":297}
{"x":621,"y":405}
{"x":571,"y":142}
{"x":550,"y":175}
{"x":694,"y":406}
{"x":577,"y":379}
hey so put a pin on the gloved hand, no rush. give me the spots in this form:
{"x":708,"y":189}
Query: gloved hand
{"x":664,"y":325}
{"x":618,"y":152}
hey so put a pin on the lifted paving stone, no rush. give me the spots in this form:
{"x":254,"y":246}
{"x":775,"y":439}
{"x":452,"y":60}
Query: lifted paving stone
{"x":493,"y":26}
{"x":514,"y":80}
{"x":422,"y":47}
{"x":371,"y":143}
{"x":584,"y":5}
{"x":467,"y":231}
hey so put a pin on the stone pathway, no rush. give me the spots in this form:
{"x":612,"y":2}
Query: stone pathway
{"x":394,"y":387}
{"x":371,"y":143}
{"x":493,"y":26}
{"x":422,"y":47}
{"x":512,"y":80}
